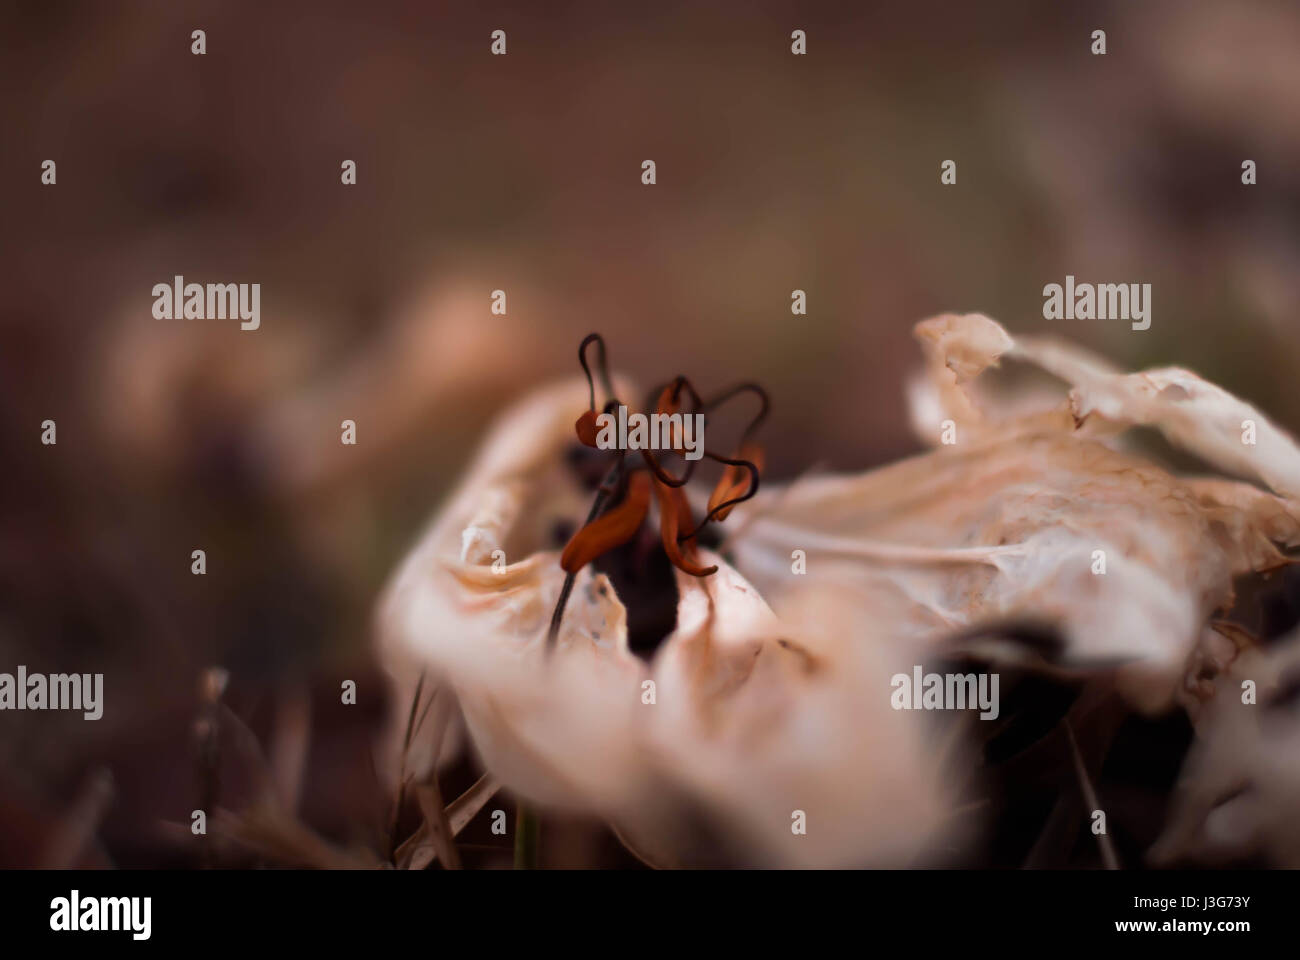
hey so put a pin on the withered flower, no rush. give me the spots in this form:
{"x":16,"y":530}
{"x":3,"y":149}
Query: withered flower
{"x":747,"y":717}
{"x":772,"y":682}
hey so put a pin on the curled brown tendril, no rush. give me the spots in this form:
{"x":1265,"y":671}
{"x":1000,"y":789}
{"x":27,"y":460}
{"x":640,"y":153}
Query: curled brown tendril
{"x":623,"y":498}
{"x":602,"y":368}
{"x":732,"y":488}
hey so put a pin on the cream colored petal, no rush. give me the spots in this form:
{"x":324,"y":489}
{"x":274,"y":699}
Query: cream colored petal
{"x":770,"y":725}
{"x":1015,"y":518}
{"x":747,"y":718}
{"x":1191,"y":412}
{"x":477,"y":620}
{"x":1009,"y":531}
{"x":763,"y":711}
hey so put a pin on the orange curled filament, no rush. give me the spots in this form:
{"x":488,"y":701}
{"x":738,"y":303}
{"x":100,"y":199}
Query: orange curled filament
{"x":611,"y":529}
{"x":587,"y":428}
{"x":734,"y":486}
{"x":673,"y":510}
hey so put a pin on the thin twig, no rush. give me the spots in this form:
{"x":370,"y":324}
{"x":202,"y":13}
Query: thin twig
{"x":607,"y":487}
{"x":436,"y":824}
{"x":400,"y":797}
{"x":418,"y":852}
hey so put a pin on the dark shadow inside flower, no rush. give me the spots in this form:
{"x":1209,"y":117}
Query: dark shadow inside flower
{"x":639,"y":569}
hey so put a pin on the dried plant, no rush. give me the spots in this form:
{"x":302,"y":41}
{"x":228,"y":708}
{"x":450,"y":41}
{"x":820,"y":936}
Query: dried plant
{"x":1033,"y":543}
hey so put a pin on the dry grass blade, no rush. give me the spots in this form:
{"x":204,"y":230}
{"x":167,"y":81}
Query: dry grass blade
{"x":418,"y":852}
{"x":1090,"y":798}
{"x":412,"y":724}
{"x":466,"y":807}
{"x":429,"y":794}
{"x":436,"y":825}
{"x":289,"y":744}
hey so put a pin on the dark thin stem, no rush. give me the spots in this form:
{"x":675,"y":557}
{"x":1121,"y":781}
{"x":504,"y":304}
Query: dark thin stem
{"x":558,"y":616}
{"x":727,"y":394}
{"x":663,"y":476}
{"x":602,"y":368}
{"x":613,"y":480}
{"x":678,"y":384}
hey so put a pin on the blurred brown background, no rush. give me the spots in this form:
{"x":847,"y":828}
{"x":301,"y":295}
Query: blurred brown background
{"x":522,"y":173}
